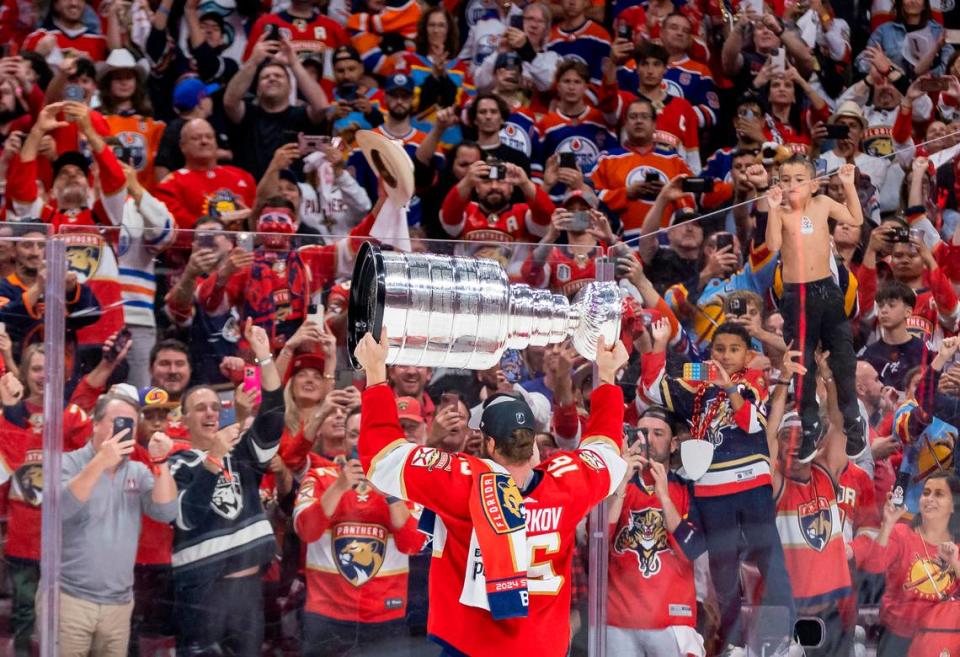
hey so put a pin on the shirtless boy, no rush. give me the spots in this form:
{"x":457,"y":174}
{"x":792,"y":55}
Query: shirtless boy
{"x":812,"y":304}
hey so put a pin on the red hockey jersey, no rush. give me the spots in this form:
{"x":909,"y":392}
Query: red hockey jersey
{"x":561,"y":491}
{"x":650,"y":582}
{"x":316,"y":34}
{"x":518,"y":223}
{"x":917,"y":580}
{"x":811,"y":530}
{"x":356,"y":560}
{"x":563,"y":272}
{"x":22,"y":451}
{"x":189,"y":194}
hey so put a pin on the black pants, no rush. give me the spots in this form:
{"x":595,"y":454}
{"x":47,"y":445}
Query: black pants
{"x":327,"y":637}
{"x":744,"y":518}
{"x":152,"y":604}
{"x":223,"y":617}
{"x":25,"y":578}
{"x":814,"y":313}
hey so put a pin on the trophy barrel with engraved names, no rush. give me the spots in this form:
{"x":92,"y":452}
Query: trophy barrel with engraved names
{"x":460,"y":312}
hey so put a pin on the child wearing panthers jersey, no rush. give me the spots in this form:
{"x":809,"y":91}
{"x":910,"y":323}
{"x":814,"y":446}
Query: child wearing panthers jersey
{"x":502,"y":551}
{"x":734,"y":498}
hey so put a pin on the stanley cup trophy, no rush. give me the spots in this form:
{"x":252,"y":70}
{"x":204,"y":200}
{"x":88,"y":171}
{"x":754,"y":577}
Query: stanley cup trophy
{"x":460,"y":312}
{"x":454,"y":311}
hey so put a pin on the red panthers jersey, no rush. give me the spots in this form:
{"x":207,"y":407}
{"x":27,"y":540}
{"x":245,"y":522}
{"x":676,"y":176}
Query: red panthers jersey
{"x":356,"y":559}
{"x":314,"y":34}
{"x":651,"y":584}
{"x":563,"y":272}
{"x":189,"y":194}
{"x":676,"y":130}
{"x":558,"y":495}
{"x":522,"y":222}
{"x":811,"y":530}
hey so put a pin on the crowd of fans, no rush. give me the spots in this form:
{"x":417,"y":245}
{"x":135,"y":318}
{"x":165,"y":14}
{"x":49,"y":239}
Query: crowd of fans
{"x":774,"y":183}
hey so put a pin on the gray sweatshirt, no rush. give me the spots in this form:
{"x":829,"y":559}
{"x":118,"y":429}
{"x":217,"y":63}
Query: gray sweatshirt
{"x":100,"y":536}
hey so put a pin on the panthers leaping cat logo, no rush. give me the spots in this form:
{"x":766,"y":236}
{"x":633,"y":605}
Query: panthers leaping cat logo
{"x":646,"y":537}
{"x":359,"y":550}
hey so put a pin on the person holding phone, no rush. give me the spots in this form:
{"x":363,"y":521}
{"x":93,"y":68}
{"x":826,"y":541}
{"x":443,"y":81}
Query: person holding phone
{"x":338,"y":516}
{"x":566,"y":268}
{"x":734,"y":496}
{"x":652,"y":599}
{"x":919,"y":560}
{"x":629,"y":178}
{"x":218,"y":584}
{"x":104,"y":493}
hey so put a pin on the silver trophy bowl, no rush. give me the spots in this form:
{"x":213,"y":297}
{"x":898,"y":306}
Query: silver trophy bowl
{"x":459,"y":312}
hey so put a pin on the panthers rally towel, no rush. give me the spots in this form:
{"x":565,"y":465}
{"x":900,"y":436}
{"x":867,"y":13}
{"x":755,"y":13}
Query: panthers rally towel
{"x":496,"y":573}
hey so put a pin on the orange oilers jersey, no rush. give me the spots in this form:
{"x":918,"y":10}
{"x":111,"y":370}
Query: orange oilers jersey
{"x":811,"y":530}
{"x":357,"y":560}
{"x":619,"y":168}
{"x":367,"y":31}
{"x":560,"y":492}
{"x":141,"y":135}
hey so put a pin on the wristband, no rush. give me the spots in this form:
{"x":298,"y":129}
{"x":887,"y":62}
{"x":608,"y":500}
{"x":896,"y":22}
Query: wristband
{"x":218,"y":463}
{"x":163,"y":10}
{"x":393,"y":500}
{"x":732,"y":390}
{"x":763,"y":190}
{"x":329,"y":377}
{"x":781,"y":382}
{"x":264,"y":361}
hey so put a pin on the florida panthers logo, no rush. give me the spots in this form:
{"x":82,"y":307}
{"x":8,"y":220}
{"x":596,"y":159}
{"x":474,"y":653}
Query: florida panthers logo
{"x":227,"y":497}
{"x":28,"y":482}
{"x":359,"y":550}
{"x":646,"y":537}
{"x":502,"y":502}
{"x":816,"y":523}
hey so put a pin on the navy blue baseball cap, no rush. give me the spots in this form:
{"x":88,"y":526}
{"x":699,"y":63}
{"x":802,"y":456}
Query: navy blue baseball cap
{"x":398,"y":82}
{"x":503,"y":414}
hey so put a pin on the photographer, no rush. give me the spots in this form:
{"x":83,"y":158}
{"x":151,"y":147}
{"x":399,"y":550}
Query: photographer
{"x":566,"y":268}
{"x":652,"y":600}
{"x":101,"y":527}
{"x":356,"y":105}
{"x":479,"y":209}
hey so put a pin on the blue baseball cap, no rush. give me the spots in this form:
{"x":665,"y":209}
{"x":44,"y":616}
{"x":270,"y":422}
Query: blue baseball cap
{"x":398,"y":81}
{"x":188,"y":93}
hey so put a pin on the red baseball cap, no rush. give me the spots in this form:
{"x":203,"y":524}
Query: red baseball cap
{"x":409,"y":408}
{"x":302,"y":362}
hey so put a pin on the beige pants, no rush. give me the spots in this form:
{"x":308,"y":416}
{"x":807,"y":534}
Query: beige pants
{"x":87,"y":628}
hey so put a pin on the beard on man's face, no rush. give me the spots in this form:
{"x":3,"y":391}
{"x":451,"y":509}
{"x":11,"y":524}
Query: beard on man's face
{"x":494,"y":201}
